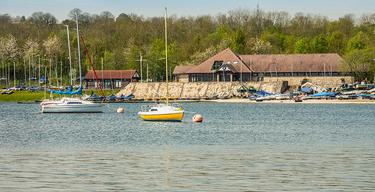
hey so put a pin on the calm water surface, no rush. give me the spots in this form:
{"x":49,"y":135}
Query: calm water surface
{"x":239,"y":147}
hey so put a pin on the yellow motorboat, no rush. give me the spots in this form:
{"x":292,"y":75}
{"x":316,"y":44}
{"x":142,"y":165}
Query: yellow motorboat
{"x":162,"y":112}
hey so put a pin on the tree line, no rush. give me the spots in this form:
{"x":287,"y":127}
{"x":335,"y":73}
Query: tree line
{"x":40,"y":41}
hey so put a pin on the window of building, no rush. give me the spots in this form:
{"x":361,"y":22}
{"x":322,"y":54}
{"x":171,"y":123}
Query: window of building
{"x":117,"y":83}
{"x":107,"y":84}
{"x":217,"y":65}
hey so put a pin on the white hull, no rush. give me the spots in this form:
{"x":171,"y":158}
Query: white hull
{"x":71,"y":106}
{"x":89,"y":108}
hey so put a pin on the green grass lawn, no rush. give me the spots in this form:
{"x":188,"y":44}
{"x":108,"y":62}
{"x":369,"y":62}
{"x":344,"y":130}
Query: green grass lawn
{"x":23,"y":96}
{"x":39,"y":95}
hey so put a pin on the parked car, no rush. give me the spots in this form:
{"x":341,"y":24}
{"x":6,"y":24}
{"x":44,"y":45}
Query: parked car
{"x":6,"y":92}
{"x":34,"y":88}
{"x":18,"y":88}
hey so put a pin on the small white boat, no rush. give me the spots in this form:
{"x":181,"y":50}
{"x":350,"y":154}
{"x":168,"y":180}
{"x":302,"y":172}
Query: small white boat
{"x":70,"y":105}
{"x":162,"y":112}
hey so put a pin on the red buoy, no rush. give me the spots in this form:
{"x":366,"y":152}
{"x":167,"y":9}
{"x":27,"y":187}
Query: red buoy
{"x":197,"y":118}
{"x":120,"y":110}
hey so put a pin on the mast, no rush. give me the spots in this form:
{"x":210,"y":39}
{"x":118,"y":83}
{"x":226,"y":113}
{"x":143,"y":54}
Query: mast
{"x":166,"y":53}
{"x":45,"y":81}
{"x":61,"y":72}
{"x":141,"y":60}
{"x":79,"y":54}
{"x":14,"y":73}
{"x":147,"y":72}
{"x":70,"y":56}
{"x":102,"y":78}
{"x":39,"y":69}
{"x":29,"y":71}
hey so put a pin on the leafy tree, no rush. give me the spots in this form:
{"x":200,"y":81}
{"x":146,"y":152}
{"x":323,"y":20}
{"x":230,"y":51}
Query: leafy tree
{"x":52,"y":48}
{"x":123,"y":18}
{"x":5,"y":18}
{"x":319,"y":45}
{"x":132,"y":57}
{"x":336,"y":42}
{"x":156,"y":55}
{"x":258,"y":46}
{"x":192,"y":39}
{"x":109,"y":60}
{"x":238,"y":41}
{"x":358,"y":42}
{"x":277,"y":40}
{"x":10,"y":49}
{"x":360,"y":63}
{"x":31,"y":49}
{"x":42,"y":19}
{"x":302,"y":46}
{"x":10,"y":52}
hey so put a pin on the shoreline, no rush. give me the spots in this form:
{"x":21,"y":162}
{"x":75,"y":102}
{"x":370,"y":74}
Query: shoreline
{"x":236,"y":100}
{"x":34,"y":97}
{"x":310,"y":101}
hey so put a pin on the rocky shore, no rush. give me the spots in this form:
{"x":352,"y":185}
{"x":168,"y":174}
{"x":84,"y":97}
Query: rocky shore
{"x":194,"y":90}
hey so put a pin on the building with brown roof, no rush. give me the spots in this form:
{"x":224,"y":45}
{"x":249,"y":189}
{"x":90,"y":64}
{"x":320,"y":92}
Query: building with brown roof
{"x":111,"y":79}
{"x":228,"y":66}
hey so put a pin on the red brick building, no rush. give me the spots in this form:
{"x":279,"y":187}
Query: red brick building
{"x":111,"y":79}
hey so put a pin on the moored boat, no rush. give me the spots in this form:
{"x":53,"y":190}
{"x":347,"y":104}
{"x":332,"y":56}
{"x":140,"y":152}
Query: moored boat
{"x":162,"y":112}
{"x":71,"y":105}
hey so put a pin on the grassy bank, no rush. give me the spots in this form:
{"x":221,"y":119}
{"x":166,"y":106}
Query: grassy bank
{"x":28,"y":96}
{"x":23,"y":96}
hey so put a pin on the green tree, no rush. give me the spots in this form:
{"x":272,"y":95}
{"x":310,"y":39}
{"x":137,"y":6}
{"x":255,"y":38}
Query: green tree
{"x":319,"y":45}
{"x":302,"y":46}
{"x":277,"y":40}
{"x":258,"y":46}
{"x":132,"y":55}
{"x":156,"y":55}
{"x":109,"y":60}
{"x":360,"y":63}
{"x":336,"y":42}
{"x":358,"y":42}
{"x":238,"y":42}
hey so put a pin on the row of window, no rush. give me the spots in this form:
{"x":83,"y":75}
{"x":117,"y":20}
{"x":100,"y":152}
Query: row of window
{"x":107,"y":84}
{"x":255,"y":76}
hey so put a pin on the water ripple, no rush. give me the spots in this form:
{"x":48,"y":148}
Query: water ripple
{"x":239,"y":147}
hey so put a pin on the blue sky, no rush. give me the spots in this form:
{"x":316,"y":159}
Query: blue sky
{"x":60,"y":8}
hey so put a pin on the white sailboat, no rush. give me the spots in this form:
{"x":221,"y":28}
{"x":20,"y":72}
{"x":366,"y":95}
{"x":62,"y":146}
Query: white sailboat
{"x":72,"y":105}
{"x":163,"y":112}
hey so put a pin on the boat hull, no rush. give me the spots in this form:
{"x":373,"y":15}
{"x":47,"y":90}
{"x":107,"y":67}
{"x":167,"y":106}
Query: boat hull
{"x":89,"y":108}
{"x":176,"y":116}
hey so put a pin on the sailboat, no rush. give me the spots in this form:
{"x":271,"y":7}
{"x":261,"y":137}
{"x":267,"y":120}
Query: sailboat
{"x":68,"y":104}
{"x":165,"y":111}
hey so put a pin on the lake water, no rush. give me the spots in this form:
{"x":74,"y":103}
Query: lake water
{"x":238,"y":147}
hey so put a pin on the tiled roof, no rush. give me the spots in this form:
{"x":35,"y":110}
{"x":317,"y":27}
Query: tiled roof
{"x":293,"y":62}
{"x":227,"y":56}
{"x":268,"y":63}
{"x":182,"y":69}
{"x":112,"y":74}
